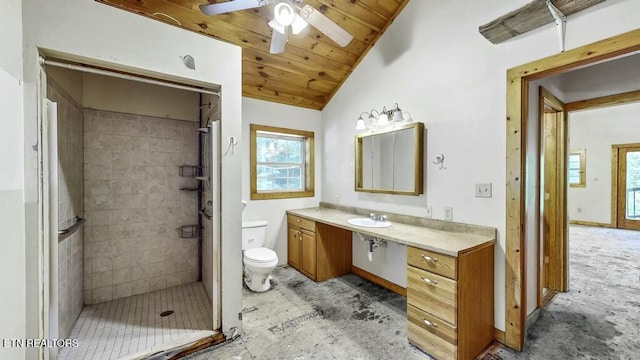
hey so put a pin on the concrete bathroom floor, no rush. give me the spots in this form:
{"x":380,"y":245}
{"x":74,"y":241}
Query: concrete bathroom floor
{"x":342,"y":318}
{"x":599,"y":317}
{"x":352,"y":318}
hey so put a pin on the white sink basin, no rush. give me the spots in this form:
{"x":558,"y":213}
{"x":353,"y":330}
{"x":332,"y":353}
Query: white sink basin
{"x":366,"y":222}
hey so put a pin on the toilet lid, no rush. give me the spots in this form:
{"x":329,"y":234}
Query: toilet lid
{"x":261,"y":255}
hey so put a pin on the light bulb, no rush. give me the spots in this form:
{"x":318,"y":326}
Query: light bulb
{"x":360,"y":125}
{"x":397,"y":115}
{"x":373,"y":121}
{"x":383,"y":119}
{"x":284,"y":13}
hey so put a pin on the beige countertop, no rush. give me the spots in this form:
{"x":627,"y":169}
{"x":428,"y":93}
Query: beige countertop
{"x":444,"y":242}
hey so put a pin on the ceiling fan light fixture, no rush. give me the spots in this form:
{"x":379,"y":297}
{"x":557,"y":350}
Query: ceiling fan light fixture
{"x":298,"y":24}
{"x":277,"y":26}
{"x":284,"y":13}
{"x":278,"y":41}
{"x":326,"y":26}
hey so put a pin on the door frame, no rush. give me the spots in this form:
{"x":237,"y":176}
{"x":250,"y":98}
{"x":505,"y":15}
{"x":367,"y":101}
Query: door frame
{"x":616,"y":188}
{"x":47,"y":232}
{"x":518,"y":79}
{"x":556,"y":268}
{"x":560,"y":269}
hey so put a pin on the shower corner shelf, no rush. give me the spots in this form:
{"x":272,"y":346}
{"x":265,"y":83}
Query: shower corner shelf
{"x":194,"y":189}
{"x":190,"y":231}
{"x":193,"y":171}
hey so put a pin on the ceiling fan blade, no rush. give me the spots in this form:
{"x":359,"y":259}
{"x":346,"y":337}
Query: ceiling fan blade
{"x":278,"y":41}
{"x":325,"y":25}
{"x":233,"y":5}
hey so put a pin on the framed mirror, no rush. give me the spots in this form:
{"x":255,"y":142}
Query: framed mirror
{"x":390,"y":161}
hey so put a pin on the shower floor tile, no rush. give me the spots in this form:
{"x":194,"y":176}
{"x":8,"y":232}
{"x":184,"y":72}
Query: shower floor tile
{"x":131,"y":327}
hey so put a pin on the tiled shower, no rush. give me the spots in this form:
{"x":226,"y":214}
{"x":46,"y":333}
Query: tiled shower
{"x":138,"y":252}
{"x":134,"y":205}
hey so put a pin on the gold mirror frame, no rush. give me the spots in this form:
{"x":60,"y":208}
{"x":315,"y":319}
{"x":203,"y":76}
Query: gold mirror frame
{"x":418,"y":168}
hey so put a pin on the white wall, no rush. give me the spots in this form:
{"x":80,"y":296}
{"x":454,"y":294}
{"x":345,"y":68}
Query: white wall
{"x":12,"y":247}
{"x":11,"y":37}
{"x":272,"y":114}
{"x":595,"y":131}
{"x":133,"y":97}
{"x":436,"y":65}
{"x":95,"y":33}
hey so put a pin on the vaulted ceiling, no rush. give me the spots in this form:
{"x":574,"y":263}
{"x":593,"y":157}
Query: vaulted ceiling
{"x":311,"y":68}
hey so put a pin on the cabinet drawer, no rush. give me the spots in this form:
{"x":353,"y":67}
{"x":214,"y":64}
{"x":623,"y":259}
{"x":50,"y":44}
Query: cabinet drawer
{"x":432,"y":293}
{"x":301,"y":222}
{"x":431,"y":261}
{"x":432,"y":335}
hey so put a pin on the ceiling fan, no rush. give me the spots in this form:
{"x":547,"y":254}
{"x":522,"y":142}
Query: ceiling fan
{"x":285,"y":16}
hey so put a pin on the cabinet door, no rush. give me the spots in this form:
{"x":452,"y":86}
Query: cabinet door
{"x":309,"y":253}
{"x":294,"y":247}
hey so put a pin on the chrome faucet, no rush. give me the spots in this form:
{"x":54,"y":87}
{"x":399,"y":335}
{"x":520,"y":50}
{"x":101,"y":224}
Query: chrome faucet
{"x":376,"y":217}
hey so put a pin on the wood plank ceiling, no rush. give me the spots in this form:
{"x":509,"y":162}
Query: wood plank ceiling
{"x":312,"y":67}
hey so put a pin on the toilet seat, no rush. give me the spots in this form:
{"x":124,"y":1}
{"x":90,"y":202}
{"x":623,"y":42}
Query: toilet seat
{"x":260,"y":255}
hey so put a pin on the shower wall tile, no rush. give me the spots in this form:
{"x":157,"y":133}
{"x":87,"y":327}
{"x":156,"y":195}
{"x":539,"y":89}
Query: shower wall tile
{"x":135,"y":206}
{"x":70,"y":204}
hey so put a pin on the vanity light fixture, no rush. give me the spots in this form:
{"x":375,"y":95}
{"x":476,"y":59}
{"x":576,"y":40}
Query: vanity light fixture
{"x":397,"y":113}
{"x":383,"y":119}
{"x":373,"y":118}
{"x":360,"y":124}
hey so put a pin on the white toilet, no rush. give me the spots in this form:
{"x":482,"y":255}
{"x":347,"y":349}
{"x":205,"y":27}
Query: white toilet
{"x":258,"y":261}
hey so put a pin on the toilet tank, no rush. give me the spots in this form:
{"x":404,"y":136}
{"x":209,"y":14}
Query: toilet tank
{"x":254,"y":234}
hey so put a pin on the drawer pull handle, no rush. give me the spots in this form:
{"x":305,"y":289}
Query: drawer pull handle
{"x":429,"y":281}
{"x":429,"y":258}
{"x":428,"y":323}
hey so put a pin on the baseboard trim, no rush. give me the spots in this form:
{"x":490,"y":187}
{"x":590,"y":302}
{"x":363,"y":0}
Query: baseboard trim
{"x":590,"y":223}
{"x":500,"y":336}
{"x":378,"y":280}
{"x":532,"y":318}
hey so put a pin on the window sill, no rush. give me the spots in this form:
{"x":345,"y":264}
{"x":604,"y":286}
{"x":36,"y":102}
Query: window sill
{"x":282,"y":195}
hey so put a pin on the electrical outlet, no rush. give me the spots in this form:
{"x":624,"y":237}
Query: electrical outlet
{"x":428,"y":212}
{"x":483,"y":190}
{"x":448,"y":213}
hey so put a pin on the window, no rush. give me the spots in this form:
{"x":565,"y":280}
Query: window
{"x":577,"y":169}
{"x":281,"y":163}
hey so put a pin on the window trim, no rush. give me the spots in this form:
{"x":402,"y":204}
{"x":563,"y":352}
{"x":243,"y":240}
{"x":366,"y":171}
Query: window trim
{"x":309,"y":175}
{"x":583,"y":169}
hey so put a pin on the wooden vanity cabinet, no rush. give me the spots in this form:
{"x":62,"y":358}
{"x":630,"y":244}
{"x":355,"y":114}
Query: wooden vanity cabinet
{"x":450,"y":302}
{"x":318,"y":250}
